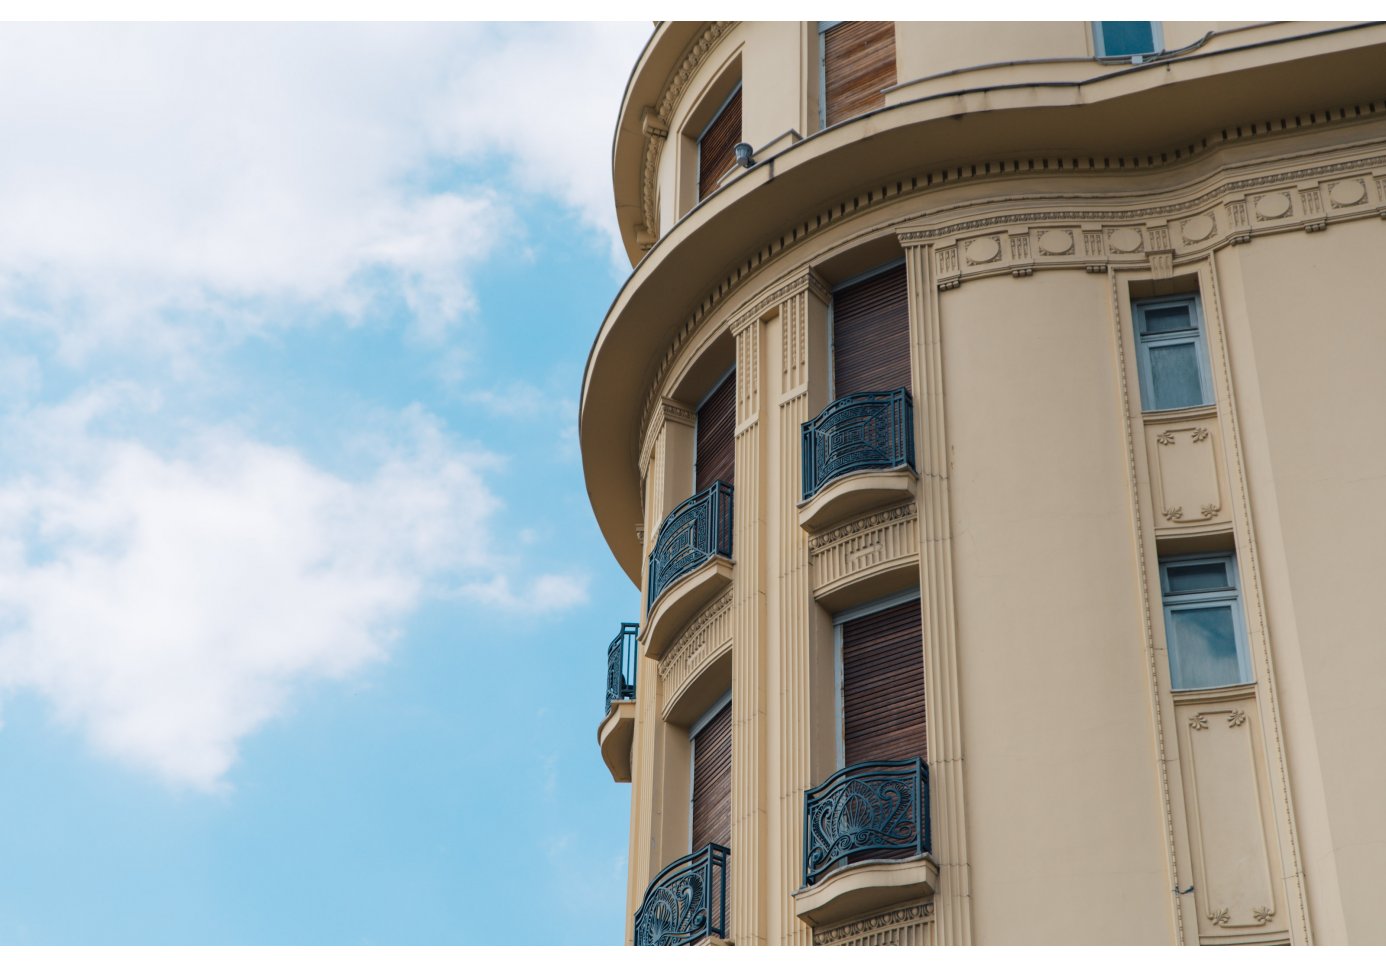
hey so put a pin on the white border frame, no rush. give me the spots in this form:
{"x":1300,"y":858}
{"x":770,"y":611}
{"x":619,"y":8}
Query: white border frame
{"x":1199,"y":338}
{"x":1184,"y":601}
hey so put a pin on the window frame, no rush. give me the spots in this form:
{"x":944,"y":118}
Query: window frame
{"x":1099,"y":45}
{"x":698,"y":725}
{"x":698,"y":142}
{"x":1196,"y":335}
{"x":832,"y":305}
{"x":1231,"y":595}
{"x":823,"y":27}
{"x":840,"y":619}
{"x":716,"y":385}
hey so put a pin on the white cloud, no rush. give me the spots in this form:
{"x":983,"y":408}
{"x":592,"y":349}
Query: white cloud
{"x":173,"y":188}
{"x":552,"y":93}
{"x":158,"y":178}
{"x":540,"y":595}
{"x":167,"y":605}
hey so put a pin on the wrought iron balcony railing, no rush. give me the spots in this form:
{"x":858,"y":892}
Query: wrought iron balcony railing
{"x":620,"y":665}
{"x":861,"y":431}
{"x":695,"y":531}
{"x":872,"y":807}
{"x":687,"y":901}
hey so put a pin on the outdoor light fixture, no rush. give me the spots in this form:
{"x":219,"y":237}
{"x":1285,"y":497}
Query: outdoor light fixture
{"x":743,"y":155}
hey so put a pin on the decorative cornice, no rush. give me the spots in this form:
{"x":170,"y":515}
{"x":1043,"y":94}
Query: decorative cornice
{"x":918,"y":236}
{"x":868,"y":523}
{"x":1094,"y":252}
{"x":655,"y":123}
{"x":891,"y":919}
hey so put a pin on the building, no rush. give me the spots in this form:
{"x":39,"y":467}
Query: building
{"x":994,"y":423}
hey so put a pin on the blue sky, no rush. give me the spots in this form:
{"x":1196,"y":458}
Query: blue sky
{"x":303,"y":610}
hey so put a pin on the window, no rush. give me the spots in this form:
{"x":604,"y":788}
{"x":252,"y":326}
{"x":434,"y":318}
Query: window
{"x":1126,"y":38}
{"x":715,"y":438}
{"x":871,"y":333}
{"x":1204,"y":626}
{"x":858,"y":65}
{"x":880,"y":671}
{"x":710,"y":783}
{"x":1173,"y":354}
{"x":717,"y":144}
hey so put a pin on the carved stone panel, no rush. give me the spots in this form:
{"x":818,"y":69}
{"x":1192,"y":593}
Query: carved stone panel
{"x":912,"y":925}
{"x":1347,"y":193}
{"x":707,"y":637}
{"x":1236,"y":883}
{"x":864,"y":547}
{"x":1271,"y":206}
{"x":1187,"y":483}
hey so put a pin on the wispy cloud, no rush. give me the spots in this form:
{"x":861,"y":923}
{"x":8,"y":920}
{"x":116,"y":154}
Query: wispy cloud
{"x":552,"y":124}
{"x":167,"y":604}
{"x":171,"y":191}
{"x":162,"y":184}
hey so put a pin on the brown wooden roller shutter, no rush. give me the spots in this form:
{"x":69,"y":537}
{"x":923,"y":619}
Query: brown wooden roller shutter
{"x":858,"y":63}
{"x":717,"y":146}
{"x":712,"y":750}
{"x":716,"y":437}
{"x":871,"y":334}
{"x":883,"y":686}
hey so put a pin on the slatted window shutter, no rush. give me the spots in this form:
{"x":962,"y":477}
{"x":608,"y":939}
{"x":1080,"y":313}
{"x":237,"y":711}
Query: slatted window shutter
{"x":716,"y":437}
{"x":717,"y":146}
{"x":871,"y":334}
{"x":712,"y":749}
{"x":883,"y":686}
{"x":858,"y":64}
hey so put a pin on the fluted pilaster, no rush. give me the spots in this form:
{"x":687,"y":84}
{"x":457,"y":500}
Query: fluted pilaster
{"x":953,"y":904}
{"x":791,"y":652}
{"x":748,"y":846}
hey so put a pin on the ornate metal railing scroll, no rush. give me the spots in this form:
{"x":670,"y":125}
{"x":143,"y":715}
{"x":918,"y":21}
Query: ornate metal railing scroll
{"x":695,"y":531}
{"x":861,"y":431}
{"x":687,"y":901}
{"x":880,"y":805}
{"x":620,"y":665}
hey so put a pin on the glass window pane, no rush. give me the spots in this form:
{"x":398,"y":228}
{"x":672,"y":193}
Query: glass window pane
{"x":1203,"y":647}
{"x":1174,"y":376}
{"x":1167,"y":319}
{"x":1124,"y":37}
{"x":1204,"y":576}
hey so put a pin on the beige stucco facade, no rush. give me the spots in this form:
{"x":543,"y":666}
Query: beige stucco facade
{"x":1035,"y":193}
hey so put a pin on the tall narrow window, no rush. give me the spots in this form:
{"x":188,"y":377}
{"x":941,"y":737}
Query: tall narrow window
{"x":858,"y":65}
{"x":717,"y":145}
{"x":1204,"y":626}
{"x":871,"y":333}
{"x":1173,"y":354}
{"x":882,"y":682}
{"x":711,"y":787}
{"x":715,"y":439}
{"x":1126,"y":38}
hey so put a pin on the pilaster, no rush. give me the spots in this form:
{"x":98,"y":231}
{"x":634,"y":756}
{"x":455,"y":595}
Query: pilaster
{"x":748,"y":877}
{"x":799,"y":377}
{"x":670,"y":420}
{"x":953,"y":909}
